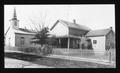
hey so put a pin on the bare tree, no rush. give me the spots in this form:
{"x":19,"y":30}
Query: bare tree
{"x":42,"y":22}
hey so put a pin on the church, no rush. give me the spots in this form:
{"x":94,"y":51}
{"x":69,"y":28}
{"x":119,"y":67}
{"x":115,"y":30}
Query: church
{"x":18,"y":37}
{"x":69,"y":35}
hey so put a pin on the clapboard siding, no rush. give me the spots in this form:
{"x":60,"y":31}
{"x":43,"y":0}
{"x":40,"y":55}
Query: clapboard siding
{"x":110,"y":40}
{"x":60,"y":30}
{"x":27,"y":39}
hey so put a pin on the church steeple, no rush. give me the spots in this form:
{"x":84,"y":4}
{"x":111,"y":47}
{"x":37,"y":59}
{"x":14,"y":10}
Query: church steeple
{"x":14,"y":15}
{"x":14,"y":20}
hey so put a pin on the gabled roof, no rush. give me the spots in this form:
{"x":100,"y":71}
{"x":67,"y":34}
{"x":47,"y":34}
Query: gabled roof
{"x":72,"y":25}
{"x":7,"y":30}
{"x":26,"y":30}
{"x":101,"y":32}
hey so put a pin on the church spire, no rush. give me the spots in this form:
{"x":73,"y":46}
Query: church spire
{"x":14,"y":14}
{"x":14,"y":20}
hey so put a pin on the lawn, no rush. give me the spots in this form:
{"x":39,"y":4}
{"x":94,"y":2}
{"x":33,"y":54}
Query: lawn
{"x":55,"y":62}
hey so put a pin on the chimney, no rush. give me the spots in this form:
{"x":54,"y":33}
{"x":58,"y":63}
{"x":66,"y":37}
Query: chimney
{"x":111,"y":28}
{"x":74,"y":21}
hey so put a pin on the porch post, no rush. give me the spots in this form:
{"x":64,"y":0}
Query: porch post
{"x":59,"y":43}
{"x":68,"y":43}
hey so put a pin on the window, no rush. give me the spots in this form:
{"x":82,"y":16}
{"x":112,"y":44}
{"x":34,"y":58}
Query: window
{"x":15,"y":23}
{"x":22,"y":41}
{"x":94,"y":41}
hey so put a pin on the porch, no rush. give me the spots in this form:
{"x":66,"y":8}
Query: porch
{"x":68,"y":41}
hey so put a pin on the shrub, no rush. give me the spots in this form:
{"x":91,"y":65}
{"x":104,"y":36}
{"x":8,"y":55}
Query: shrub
{"x":45,"y":50}
{"x":30,"y":50}
{"x":20,"y":49}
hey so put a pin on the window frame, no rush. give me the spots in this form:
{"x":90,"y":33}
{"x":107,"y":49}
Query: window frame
{"x":22,"y":41}
{"x":94,"y":41}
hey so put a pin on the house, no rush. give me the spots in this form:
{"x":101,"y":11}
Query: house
{"x":73,"y":35}
{"x":18,"y":37}
{"x":102,"y":40}
{"x":68,"y":34}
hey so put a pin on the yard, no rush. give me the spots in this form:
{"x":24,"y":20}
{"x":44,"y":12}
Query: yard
{"x":55,"y":62}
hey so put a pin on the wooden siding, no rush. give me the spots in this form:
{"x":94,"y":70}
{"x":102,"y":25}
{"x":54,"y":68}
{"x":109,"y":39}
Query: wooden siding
{"x":110,"y":40}
{"x":59,"y":30}
{"x":10,"y":34}
{"x":99,"y":46}
{"x":26,"y":40}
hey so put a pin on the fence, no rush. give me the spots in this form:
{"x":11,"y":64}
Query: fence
{"x":10,"y":48}
{"x":107,"y":55}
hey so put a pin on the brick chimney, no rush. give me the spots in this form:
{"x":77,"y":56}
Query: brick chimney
{"x":74,"y":21}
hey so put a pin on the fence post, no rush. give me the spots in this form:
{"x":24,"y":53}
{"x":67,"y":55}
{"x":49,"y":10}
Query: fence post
{"x":110,"y":57}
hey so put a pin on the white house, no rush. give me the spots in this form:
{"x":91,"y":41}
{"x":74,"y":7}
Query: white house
{"x":68,"y":34}
{"x":102,"y":40}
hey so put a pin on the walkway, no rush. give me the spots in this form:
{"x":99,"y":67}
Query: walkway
{"x":14,"y":63}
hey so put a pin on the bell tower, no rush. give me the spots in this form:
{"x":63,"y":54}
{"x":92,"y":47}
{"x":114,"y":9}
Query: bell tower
{"x":14,"y":20}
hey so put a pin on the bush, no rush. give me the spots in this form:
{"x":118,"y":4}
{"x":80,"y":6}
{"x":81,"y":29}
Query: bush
{"x":89,"y":46}
{"x":20,"y":49}
{"x":45,"y":50}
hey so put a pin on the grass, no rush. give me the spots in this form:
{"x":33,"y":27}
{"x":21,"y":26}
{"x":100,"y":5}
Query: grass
{"x":55,"y":62}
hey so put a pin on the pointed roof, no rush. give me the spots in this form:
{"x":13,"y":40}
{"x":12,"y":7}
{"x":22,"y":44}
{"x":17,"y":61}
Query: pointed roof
{"x":26,"y":30}
{"x":7,"y":31}
{"x":14,"y":14}
{"x":72,"y":25}
{"x":101,"y":32}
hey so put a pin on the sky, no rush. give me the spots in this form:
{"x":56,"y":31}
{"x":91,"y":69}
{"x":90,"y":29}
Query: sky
{"x":94,"y":16}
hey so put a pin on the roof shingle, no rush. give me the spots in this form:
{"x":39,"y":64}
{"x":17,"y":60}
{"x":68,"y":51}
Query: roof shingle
{"x":101,"y":32}
{"x":74,"y":25}
{"x":26,"y":30}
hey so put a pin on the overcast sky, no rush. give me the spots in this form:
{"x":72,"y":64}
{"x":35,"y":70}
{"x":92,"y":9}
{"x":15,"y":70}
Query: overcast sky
{"x":98,"y":16}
